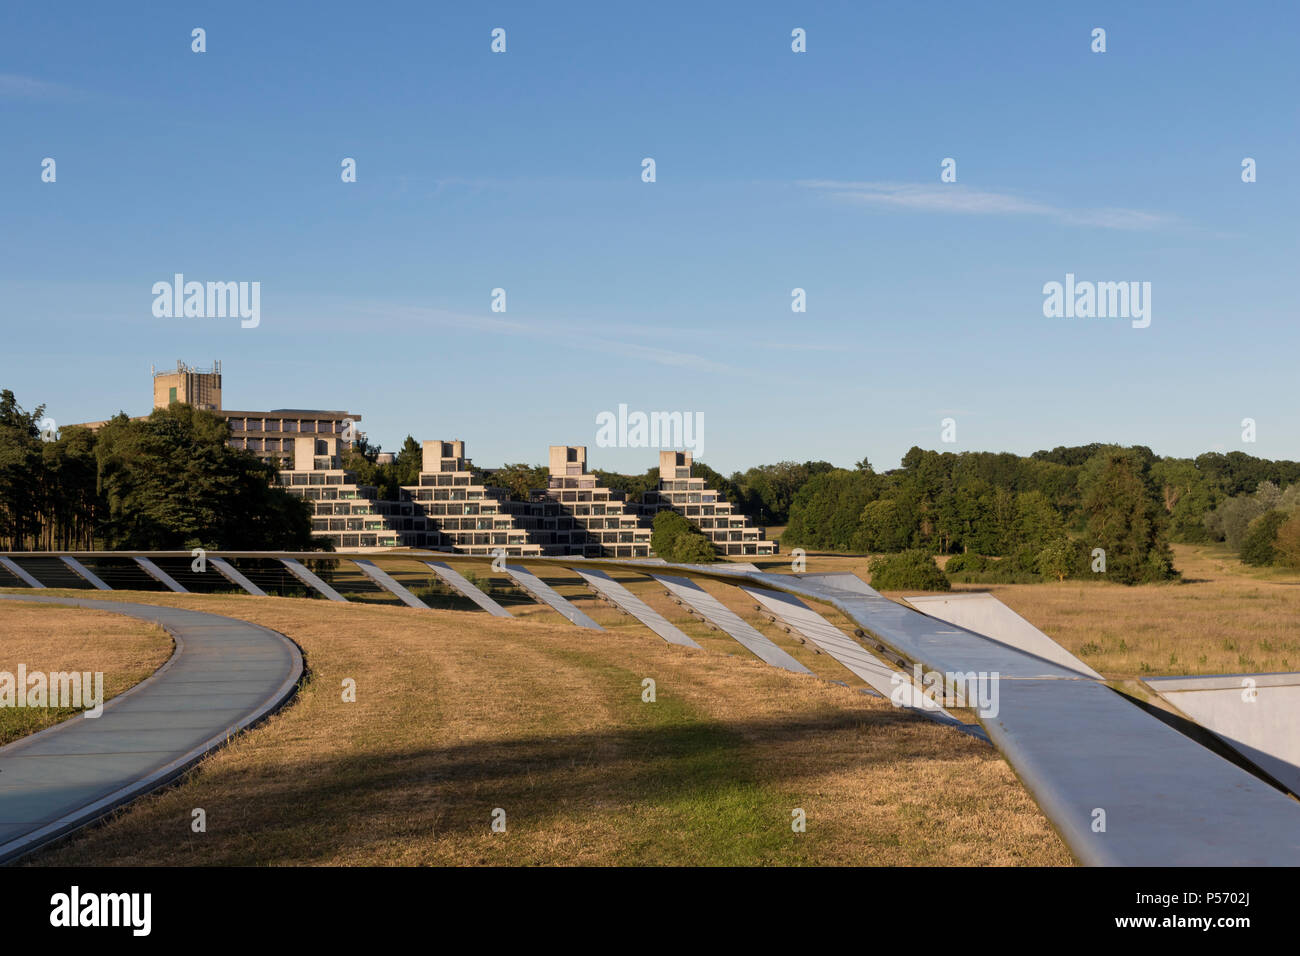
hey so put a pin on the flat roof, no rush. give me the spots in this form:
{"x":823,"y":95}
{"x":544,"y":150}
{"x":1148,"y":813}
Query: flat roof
{"x":299,"y":412}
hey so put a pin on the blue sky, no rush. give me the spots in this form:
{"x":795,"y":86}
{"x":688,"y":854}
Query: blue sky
{"x":775,"y":170}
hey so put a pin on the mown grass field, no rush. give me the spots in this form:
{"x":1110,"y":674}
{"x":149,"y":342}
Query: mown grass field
{"x":48,"y":639}
{"x":458,"y":714}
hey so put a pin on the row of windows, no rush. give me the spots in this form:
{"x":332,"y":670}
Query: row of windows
{"x":301,"y":426}
{"x":347,"y":492}
{"x":445,"y":479}
{"x":448,"y":494}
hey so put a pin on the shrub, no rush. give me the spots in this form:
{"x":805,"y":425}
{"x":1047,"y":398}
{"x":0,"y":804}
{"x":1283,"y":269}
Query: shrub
{"x":985,"y":570}
{"x":1286,"y":544}
{"x":694,"y":548}
{"x":968,"y":562}
{"x":1257,"y":546}
{"x":1057,"y":560}
{"x":912,"y":570}
{"x":675,"y":539}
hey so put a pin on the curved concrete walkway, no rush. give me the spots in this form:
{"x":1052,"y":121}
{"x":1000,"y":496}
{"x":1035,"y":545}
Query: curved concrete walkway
{"x":224,"y":675}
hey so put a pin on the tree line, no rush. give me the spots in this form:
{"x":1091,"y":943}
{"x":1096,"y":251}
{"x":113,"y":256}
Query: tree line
{"x":1042,"y":515}
{"x":171,"y":481}
{"x":166,"y":482}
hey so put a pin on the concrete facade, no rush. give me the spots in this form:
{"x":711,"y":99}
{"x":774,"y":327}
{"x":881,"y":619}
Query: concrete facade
{"x":453,"y":509}
{"x":604,"y":523}
{"x":200,"y":387}
{"x":731,"y":532}
{"x":342,"y":511}
{"x":268,"y":435}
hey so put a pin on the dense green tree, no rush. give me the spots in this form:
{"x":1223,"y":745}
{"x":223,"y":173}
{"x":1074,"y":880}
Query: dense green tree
{"x":1230,"y":520}
{"x":768,"y":490}
{"x":886,"y":524}
{"x":171,"y":481}
{"x":68,"y":491}
{"x":1124,"y":519}
{"x":1037,"y":523}
{"x":1258,"y":547}
{"x":20,"y":463}
{"x":519,"y":479}
{"x":1186,"y":493}
{"x":826,"y":511}
{"x":1058,"y":559}
{"x":408,"y":463}
{"x":1286,"y":543}
{"x":632,"y":487}
{"x":677,"y":540}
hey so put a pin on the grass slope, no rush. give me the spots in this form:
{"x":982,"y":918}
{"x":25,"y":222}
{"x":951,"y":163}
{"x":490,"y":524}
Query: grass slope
{"x":458,"y":714}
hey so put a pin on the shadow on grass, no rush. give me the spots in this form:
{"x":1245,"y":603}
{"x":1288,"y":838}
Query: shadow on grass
{"x":704,"y":780}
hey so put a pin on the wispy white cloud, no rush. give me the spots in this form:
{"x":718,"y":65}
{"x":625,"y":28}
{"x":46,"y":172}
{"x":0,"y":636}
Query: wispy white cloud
{"x":571,"y":336}
{"x":802,"y":347}
{"x":16,"y":87}
{"x":962,"y":200}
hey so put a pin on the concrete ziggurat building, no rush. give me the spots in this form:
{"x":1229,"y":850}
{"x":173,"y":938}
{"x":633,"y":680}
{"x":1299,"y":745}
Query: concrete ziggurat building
{"x":348,"y":514}
{"x":603,"y":523}
{"x":731,"y":532}
{"x":451,"y":509}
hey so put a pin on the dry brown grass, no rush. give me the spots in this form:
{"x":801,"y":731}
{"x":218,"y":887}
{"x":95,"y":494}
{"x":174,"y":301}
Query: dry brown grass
{"x":1222,"y":617}
{"x":48,"y":638}
{"x":459,"y":713}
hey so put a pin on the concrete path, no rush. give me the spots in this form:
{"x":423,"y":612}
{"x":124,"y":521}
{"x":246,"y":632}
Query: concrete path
{"x":224,"y":675}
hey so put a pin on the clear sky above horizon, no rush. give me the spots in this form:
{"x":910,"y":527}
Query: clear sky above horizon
{"x":775,"y":170}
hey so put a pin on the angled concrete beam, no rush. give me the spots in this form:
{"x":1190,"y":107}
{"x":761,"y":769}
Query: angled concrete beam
{"x":389,"y":583}
{"x":889,"y":683}
{"x":299,"y":571}
{"x":85,"y":573}
{"x":458,"y":582}
{"x":159,"y":575}
{"x":633,"y":605}
{"x":726,"y":620}
{"x":1255,"y":714}
{"x":545,"y":594}
{"x":231,"y":574}
{"x":1080,"y":747}
{"x":985,"y":614}
{"x":19,"y":572}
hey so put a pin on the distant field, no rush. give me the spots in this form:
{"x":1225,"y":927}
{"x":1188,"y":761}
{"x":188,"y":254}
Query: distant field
{"x":461,"y":713}
{"x":1222,"y":617}
{"x":52,"y":639}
